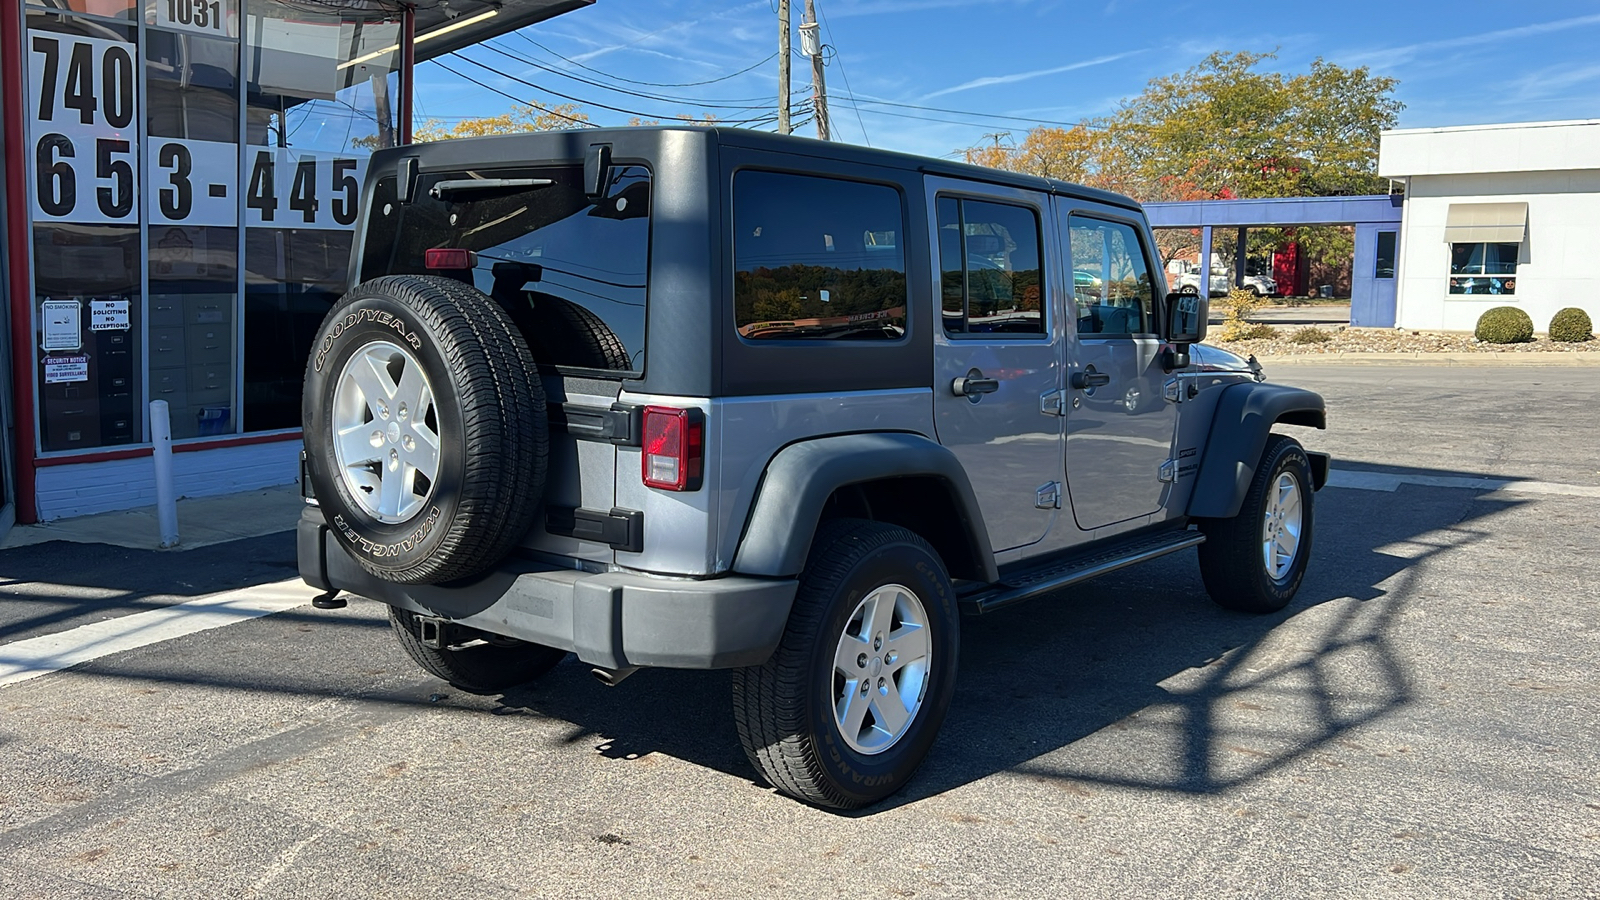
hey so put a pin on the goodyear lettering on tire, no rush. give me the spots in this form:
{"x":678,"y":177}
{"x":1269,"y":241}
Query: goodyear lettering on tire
{"x":356,"y":317}
{"x":373,"y":548}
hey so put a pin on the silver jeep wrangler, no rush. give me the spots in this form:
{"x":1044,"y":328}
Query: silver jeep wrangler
{"x":710,"y":398}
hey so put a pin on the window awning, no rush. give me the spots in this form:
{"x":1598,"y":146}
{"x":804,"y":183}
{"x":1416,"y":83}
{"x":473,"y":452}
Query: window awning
{"x":1493,"y":223}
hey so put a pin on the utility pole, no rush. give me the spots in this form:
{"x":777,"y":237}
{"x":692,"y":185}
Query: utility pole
{"x":783,"y":66}
{"x":811,"y":45}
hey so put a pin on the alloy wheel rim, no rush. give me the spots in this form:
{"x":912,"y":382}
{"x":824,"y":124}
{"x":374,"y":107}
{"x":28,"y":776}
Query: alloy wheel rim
{"x":386,"y":432}
{"x":1281,"y":526}
{"x":881,"y":669}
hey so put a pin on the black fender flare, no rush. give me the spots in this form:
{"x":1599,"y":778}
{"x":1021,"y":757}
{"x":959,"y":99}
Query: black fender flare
{"x":1244,"y":416}
{"x":802,"y":476}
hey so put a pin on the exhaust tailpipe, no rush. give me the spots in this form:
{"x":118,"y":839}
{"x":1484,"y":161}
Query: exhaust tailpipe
{"x":612,"y":677}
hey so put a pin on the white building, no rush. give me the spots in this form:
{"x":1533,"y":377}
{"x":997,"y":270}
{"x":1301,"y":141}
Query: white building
{"x":1496,"y":215}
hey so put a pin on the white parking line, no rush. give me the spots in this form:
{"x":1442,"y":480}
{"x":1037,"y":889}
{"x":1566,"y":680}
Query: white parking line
{"x":32,"y":657}
{"x":1389,"y":481}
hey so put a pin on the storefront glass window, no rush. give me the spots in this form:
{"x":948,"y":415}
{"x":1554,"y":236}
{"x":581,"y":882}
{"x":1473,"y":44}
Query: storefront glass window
{"x":83,"y":154}
{"x":196,"y":171}
{"x":191,"y":199}
{"x":320,"y":96}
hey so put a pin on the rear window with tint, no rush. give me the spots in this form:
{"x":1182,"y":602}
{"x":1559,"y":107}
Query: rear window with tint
{"x":571,"y":269}
{"x":817,"y":258}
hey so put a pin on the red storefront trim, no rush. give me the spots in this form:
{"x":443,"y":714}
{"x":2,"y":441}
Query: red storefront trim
{"x":136,"y":452}
{"x":17,"y":244}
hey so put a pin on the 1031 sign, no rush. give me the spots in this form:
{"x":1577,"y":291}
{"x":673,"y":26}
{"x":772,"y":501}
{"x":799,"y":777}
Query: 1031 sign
{"x":83,"y":111}
{"x":214,"y":17}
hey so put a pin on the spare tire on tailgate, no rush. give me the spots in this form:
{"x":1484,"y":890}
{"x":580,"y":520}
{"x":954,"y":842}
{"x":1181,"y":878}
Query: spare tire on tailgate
{"x":425,"y":428}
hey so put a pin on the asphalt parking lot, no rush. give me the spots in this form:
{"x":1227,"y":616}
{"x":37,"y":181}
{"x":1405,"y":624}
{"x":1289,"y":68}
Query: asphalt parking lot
{"x":1420,"y":722}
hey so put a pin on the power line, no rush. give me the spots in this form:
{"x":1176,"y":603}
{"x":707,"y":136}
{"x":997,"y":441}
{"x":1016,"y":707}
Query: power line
{"x":968,"y":112}
{"x":538,"y":87}
{"x":730,"y":103}
{"x":496,"y":90}
{"x":842,"y":74}
{"x":962,"y":112}
{"x":545,"y":109}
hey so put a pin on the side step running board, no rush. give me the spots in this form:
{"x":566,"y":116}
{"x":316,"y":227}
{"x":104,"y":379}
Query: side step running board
{"x":1027,"y":584}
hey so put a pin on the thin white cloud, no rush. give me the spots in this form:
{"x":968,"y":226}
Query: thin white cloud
{"x":1391,"y":56}
{"x":1026,"y":76}
{"x":1554,"y":81}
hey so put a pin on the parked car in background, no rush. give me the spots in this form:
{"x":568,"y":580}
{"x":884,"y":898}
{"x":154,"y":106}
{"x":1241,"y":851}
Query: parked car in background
{"x":1222,"y":283}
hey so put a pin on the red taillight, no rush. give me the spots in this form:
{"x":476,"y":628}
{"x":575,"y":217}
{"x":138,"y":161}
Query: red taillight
{"x":449,"y":258}
{"x":674,"y":446}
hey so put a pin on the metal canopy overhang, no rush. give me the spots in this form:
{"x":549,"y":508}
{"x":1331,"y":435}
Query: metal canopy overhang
{"x":1486,"y":223}
{"x":509,"y":15}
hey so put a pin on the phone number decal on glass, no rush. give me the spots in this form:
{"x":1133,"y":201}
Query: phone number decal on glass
{"x":82,"y":107}
{"x":289,"y":188}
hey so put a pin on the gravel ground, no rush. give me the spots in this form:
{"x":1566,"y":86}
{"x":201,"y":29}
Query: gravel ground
{"x":1389,"y":340}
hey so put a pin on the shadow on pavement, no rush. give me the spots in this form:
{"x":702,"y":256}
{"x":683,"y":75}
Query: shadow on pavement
{"x":53,"y":586}
{"x":1212,"y":698}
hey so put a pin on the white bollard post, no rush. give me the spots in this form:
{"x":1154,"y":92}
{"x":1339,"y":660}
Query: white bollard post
{"x":166,"y":500}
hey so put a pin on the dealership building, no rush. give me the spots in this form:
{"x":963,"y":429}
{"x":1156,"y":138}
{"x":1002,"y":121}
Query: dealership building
{"x":1495,"y":215}
{"x":182,"y":181}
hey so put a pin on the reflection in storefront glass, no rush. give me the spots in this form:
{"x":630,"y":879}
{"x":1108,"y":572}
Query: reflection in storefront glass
{"x":230,"y":127}
{"x":320,"y":97}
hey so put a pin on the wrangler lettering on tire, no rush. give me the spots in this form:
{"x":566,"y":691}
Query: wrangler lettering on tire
{"x":425,"y":437}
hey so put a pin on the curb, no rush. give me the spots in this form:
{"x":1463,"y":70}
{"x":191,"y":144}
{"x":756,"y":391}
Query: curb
{"x":1487,"y":358}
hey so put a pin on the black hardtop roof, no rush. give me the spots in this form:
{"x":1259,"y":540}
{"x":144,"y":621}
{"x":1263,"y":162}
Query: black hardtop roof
{"x":460,"y":152}
{"x":778,"y":143}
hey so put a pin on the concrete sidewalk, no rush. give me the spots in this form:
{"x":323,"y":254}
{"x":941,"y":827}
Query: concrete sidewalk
{"x":202,"y":521}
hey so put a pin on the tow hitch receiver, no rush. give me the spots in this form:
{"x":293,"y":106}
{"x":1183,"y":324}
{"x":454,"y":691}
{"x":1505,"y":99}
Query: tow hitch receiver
{"x":435,"y":633}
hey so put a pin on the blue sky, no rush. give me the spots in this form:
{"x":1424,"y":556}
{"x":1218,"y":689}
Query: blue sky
{"x":1041,"y":61}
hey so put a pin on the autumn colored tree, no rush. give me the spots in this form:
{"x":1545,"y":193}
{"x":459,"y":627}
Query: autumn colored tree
{"x":520,"y":118}
{"x":1224,"y":128}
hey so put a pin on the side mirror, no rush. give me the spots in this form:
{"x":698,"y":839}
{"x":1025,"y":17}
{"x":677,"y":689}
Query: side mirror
{"x":1186,"y":317}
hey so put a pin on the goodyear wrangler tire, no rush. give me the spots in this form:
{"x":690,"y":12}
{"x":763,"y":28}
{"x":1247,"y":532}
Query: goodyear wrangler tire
{"x":425,"y":428}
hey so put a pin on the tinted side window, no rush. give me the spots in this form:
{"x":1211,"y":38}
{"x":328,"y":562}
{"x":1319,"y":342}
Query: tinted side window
{"x":1111,"y":286}
{"x":817,"y":258}
{"x":989,"y":275}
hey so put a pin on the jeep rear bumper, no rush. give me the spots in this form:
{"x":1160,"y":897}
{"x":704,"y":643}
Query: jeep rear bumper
{"x":613,"y":619}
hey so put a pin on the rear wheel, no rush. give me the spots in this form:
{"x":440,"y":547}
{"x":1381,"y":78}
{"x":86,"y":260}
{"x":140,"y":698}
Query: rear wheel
{"x":845,"y":710}
{"x":483,"y":664}
{"x":1255,"y":561}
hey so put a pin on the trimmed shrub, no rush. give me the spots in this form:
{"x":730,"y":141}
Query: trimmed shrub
{"x":1571,"y":326}
{"x":1504,"y":325}
{"x":1236,"y":326}
{"x":1234,"y":330}
{"x":1310,"y":334}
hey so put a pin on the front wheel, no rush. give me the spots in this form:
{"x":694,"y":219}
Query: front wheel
{"x":1255,"y":561}
{"x":845,"y":710}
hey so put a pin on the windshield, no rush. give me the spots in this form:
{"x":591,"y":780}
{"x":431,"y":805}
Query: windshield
{"x":571,"y":270}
